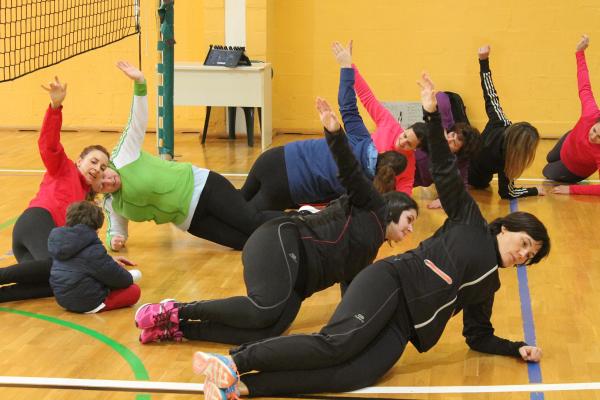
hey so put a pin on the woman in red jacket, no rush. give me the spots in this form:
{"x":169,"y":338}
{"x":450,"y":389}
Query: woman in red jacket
{"x":577,"y":154}
{"x":63,"y":183}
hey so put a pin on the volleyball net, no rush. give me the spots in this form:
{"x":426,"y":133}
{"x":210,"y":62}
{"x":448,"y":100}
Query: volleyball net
{"x":36,"y":34}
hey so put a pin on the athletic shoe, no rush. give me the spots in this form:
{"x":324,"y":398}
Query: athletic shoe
{"x":213,"y":392}
{"x":155,"y":334}
{"x":217,"y":368}
{"x":156,"y":314}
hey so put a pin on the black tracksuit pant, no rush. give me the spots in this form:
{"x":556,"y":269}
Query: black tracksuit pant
{"x":556,"y":170}
{"x":223,"y":216}
{"x":28,"y":278}
{"x":272,"y":260}
{"x":365,"y":337}
{"x":267,"y":186}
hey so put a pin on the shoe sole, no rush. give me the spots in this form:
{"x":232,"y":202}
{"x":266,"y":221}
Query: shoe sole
{"x":212,"y":392}
{"x":214,"y":369}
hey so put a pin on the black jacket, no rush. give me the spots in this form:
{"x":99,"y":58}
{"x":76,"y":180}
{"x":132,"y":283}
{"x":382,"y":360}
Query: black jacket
{"x":492,"y":154}
{"x":82,"y":272}
{"x":345,"y":237}
{"x":457,"y":268}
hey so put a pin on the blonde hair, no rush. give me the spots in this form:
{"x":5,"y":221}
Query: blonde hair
{"x":521,"y":141}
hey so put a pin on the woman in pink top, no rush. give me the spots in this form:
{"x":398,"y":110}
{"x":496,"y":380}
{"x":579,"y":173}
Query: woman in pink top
{"x":63,"y":183}
{"x":389,"y":135}
{"x":577,"y":154}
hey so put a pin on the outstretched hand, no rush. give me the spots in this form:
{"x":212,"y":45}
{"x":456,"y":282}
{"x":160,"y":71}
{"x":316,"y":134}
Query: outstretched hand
{"x":123,"y":262}
{"x":57,"y":91}
{"x":583,"y":43}
{"x":530,"y":353}
{"x":131,"y":71}
{"x":484,"y":52}
{"x":561,"y":189}
{"x":342,"y":54}
{"x":428,"y":99}
{"x":328,"y":118}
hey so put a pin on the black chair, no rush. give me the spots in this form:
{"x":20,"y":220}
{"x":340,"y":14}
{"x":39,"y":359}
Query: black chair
{"x":231,"y":112}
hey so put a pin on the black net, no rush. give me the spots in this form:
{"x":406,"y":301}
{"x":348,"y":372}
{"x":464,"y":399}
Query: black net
{"x":36,"y":34}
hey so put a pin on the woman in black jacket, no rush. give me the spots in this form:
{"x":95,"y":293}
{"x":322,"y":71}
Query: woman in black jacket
{"x":288,"y":259}
{"x":400,"y":299}
{"x":506,"y":148}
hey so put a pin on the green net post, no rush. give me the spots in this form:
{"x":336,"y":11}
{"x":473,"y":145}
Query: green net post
{"x":166,"y":49}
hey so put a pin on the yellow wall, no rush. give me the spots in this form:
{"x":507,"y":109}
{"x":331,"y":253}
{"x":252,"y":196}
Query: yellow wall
{"x":532,"y":58}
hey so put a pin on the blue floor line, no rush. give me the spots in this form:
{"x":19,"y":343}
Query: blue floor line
{"x":533,"y":369}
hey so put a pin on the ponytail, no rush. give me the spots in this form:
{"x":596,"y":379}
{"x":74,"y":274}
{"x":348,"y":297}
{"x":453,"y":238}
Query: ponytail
{"x":389,"y":164}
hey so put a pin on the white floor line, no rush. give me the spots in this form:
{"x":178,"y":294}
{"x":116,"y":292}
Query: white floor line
{"x":177,"y":387}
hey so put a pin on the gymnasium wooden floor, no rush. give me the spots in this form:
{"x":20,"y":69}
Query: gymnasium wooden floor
{"x":41,"y":339}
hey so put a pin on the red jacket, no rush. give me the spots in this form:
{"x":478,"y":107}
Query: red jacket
{"x":62,"y":184}
{"x":579,"y":155}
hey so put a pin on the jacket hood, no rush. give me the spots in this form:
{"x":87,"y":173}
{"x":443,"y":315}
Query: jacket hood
{"x":66,"y":241}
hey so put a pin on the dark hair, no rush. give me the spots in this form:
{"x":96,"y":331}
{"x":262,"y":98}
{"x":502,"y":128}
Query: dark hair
{"x":420,"y":129}
{"x":397,"y":202}
{"x":93,"y":147}
{"x":520,"y":221}
{"x":389,"y":164}
{"x":86,"y":213}
{"x":470,"y":138}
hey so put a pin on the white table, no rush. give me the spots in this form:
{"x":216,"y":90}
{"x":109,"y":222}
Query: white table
{"x":200,"y":85}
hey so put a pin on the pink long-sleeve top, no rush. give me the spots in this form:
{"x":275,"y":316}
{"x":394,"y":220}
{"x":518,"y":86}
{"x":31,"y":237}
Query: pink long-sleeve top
{"x":386,"y":132}
{"x":62,"y":183}
{"x":580,"y":156}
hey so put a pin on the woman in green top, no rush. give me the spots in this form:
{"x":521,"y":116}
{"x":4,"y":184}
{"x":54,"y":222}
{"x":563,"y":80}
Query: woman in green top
{"x":143,"y":187}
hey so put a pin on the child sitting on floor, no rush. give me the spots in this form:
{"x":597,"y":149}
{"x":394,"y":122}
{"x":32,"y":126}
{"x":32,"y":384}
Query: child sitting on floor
{"x":84,"y":278}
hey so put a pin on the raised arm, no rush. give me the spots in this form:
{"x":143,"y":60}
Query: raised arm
{"x":479,"y":334}
{"x":359,"y":188}
{"x":456,"y":201}
{"x":588,"y":103}
{"x":353,"y":122}
{"x":130,"y":143}
{"x":378,"y":113}
{"x":51,"y":150}
{"x":492,"y":102}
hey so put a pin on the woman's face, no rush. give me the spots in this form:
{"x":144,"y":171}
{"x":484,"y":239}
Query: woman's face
{"x":92,"y":167}
{"x":454,"y":142}
{"x":407,"y":140}
{"x":516,"y":248}
{"x":396,"y":231}
{"x":111,"y":181}
{"x":594,"y":134}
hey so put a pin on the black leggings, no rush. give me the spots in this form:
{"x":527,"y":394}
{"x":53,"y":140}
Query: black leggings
{"x":267,"y":186}
{"x":556,"y":170}
{"x":29,"y":278}
{"x":223,"y":216}
{"x":271,"y":259}
{"x":365,"y":337}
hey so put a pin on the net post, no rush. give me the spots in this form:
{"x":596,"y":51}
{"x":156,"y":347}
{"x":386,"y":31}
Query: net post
{"x":165,"y":69}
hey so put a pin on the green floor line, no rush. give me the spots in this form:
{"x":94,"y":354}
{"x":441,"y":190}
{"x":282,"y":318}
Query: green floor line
{"x":8,"y":223}
{"x":134,"y":362}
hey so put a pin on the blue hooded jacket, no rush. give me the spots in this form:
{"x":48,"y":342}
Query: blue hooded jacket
{"x":82,"y":273}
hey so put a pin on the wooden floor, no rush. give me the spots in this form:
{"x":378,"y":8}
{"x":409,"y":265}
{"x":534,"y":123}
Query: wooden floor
{"x":564,"y":289}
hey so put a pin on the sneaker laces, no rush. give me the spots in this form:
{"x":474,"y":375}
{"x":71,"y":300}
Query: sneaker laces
{"x":162,"y":318}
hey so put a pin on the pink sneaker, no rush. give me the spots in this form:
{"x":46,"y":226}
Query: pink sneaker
{"x":213,"y":392}
{"x":217,"y":368}
{"x":157,"y":315}
{"x":156,"y":334}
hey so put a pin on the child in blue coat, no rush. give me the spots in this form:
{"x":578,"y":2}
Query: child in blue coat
{"x":84,"y":278}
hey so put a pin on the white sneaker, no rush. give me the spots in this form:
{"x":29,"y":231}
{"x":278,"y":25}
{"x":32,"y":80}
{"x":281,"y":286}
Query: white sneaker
{"x":309,"y":208}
